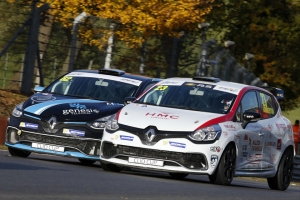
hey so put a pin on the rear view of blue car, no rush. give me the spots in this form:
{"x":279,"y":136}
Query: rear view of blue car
{"x":67,"y":118}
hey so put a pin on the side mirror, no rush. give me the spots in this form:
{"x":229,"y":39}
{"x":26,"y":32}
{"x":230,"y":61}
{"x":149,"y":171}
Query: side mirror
{"x":250,"y":117}
{"x":128,"y":100}
{"x":38,"y":89}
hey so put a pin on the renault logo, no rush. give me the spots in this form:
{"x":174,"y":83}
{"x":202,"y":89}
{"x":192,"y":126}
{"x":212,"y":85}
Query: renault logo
{"x":150,"y":134}
{"x":52,"y":122}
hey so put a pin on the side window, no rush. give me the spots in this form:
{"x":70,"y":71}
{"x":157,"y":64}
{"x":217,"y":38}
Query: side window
{"x":267,"y":105}
{"x":249,"y":102}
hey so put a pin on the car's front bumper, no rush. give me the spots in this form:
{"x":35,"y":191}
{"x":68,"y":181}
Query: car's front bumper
{"x":76,"y":147}
{"x":179,"y":155}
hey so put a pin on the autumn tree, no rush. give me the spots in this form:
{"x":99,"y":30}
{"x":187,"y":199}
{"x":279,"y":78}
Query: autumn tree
{"x":270,"y":31}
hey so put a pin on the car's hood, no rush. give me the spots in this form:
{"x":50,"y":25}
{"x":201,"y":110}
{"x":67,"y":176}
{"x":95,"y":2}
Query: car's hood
{"x":68,"y":108}
{"x":163,"y":118}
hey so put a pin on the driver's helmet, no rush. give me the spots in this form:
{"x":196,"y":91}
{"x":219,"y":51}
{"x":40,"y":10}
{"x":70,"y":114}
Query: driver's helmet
{"x":224,"y":101}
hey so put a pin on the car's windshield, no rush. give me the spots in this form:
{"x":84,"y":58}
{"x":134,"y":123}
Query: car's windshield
{"x":95,"y":86}
{"x":190,"y":96}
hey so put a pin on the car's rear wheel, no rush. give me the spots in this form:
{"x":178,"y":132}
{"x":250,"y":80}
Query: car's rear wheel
{"x":87,"y":161}
{"x":110,"y":167}
{"x":18,"y":152}
{"x":178,"y":175}
{"x":283,"y":177}
{"x":226,"y":167}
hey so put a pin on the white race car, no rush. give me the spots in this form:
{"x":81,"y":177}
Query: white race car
{"x":203,"y":125}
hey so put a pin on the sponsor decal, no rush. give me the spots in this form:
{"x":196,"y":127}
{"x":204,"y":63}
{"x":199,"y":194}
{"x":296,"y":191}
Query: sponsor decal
{"x":79,"y":109}
{"x":227,"y":89}
{"x":225,"y":134}
{"x":172,"y":82}
{"x":230,"y":127}
{"x":256,"y":142}
{"x":73,"y":132}
{"x":279,"y":143}
{"x":270,"y":127}
{"x":270,"y":144}
{"x":205,"y":85}
{"x":272,"y":158}
{"x":42,"y":98}
{"x":213,"y":161}
{"x":278,"y":128}
{"x":255,"y":159}
{"x":245,"y":154}
{"x":165,"y":142}
{"x":246,"y":137}
{"x":29,"y":125}
{"x":176,"y":144}
{"x":256,"y":148}
{"x":134,"y":82}
{"x":190,"y":84}
{"x":162,"y":115}
{"x":215,"y":149}
{"x":236,"y":136}
{"x":244,"y":148}
{"x":77,"y":106}
{"x":125,"y":137}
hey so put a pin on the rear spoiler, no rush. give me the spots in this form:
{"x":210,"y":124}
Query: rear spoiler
{"x":278,"y":93}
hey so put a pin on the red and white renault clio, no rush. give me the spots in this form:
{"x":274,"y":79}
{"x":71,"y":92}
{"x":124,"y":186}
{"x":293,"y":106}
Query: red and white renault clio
{"x":203,"y":125}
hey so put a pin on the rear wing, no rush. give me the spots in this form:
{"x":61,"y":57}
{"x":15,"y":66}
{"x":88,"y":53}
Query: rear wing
{"x":278,"y":93}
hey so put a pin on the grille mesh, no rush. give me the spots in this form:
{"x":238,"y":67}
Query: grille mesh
{"x":189,"y":160}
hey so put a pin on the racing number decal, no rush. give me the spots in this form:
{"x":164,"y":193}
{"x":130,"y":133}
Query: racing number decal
{"x":66,"y":78}
{"x":161,"y":87}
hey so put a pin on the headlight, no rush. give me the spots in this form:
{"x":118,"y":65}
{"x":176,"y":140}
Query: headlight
{"x":207,"y":134}
{"x":99,"y":123}
{"x":112,"y":123}
{"x":18,"y":110}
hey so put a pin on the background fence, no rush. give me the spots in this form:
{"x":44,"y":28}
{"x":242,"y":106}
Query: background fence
{"x":36,"y":50}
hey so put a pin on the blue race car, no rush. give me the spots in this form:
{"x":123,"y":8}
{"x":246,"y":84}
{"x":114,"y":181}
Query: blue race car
{"x":67,"y":118}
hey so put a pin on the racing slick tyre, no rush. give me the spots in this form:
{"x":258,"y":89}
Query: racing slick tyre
{"x":178,"y":175}
{"x":110,"y":167}
{"x":226,"y":167}
{"x":18,"y":152}
{"x":283,"y":177}
{"x":86,"y":161}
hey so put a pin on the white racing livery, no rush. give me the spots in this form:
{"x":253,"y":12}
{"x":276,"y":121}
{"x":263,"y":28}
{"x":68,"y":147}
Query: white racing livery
{"x":203,"y":125}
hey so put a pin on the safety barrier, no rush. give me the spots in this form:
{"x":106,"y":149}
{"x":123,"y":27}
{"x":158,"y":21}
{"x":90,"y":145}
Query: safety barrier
{"x":296,"y":170}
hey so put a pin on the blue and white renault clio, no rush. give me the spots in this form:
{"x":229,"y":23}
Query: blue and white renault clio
{"x":203,"y":125}
{"x":67,"y":118}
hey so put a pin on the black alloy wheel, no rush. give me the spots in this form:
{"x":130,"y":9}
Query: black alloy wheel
{"x":18,"y":152}
{"x":283,"y":177}
{"x":226,"y":168}
{"x":110,"y":167}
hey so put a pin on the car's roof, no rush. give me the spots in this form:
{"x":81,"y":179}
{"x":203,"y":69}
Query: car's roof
{"x":209,"y":80}
{"x":117,"y":72}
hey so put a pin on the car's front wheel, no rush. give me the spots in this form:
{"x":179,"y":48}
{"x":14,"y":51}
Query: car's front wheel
{"x":18,"y":152}
{"x":178,"y":175}
{"x":110,"y":167}
{"x":283,"y":177}
{"x":226,"y":167}
{"x":86,"y":161}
